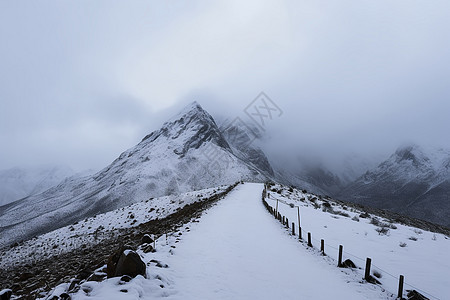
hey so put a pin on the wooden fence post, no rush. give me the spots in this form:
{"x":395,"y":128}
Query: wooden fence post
{"x":299,"y":233}
{"x":277,"y":207}
{"x":367,"y":273}
{"x":341,"y":248}
{"x":400,"y":287}
{"x":287,"y":222}
{"x":283,"y":220}
{"x":293,"y":228}
{"x":309,"y":239}
{"x":322,"y":246}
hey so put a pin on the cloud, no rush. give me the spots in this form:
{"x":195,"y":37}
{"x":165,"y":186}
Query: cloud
{"x":82,"y":81}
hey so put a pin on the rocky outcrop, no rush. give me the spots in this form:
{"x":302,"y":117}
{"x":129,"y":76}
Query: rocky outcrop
{"x":125,"y":262}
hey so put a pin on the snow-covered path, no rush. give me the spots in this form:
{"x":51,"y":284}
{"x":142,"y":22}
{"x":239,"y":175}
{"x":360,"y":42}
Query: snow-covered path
{"x":238,"y":251}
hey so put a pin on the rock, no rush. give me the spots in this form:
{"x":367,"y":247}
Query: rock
{"x":97,"y":276}
{"x":415,"y":295}
{"x":348,"y":264}
{"x":147,"y":239}
{"x":147,"y":248}
{"x":126,"y":262}
{"x":125,"y":278}
{"x":159,"y":264}
{"x":5,"y":294}
{"x":84,"y":274}
{"x":112,"y":262}
{"x":372,"y":280}
{"x":64,"y":296}
{"x":74,"y":286}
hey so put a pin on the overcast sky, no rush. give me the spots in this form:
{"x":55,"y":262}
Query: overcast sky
{"x":82,"y":81}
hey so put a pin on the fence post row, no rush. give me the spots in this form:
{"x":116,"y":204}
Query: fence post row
{"x":285,"y":221}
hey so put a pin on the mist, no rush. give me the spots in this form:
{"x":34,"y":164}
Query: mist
{"x":82,"y":81}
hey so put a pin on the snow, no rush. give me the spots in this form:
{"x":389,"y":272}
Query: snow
{"x":236,"y":251}
{"x":239,"y":252}
{"x":424,"y":262}
{"x":95,"y":229}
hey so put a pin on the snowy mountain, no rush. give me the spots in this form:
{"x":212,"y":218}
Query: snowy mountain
{"x":191,"y":152}
{"x":188,"y":153}
{"x":412,"y":181}
{"x":243,"y":139}
{"x":18,"y":183}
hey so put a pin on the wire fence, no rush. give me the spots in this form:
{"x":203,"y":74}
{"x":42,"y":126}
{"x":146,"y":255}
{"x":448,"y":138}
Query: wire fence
{"x":376,"y":270}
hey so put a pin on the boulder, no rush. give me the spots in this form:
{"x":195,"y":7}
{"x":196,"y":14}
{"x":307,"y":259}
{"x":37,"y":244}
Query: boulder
{"x":147,"y":248}
{"x":5,"y":294}
{"x":147,"y":239}
{"x":126,"y":262}
{"x":64,"y":296}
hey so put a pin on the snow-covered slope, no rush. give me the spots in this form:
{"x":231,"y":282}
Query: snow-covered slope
{"x":18,"y":183}
{"x":94,"y":230}
{"x":187,"y":153}
{"x":243,"y":139}
{"x":395,"y":249}
{"x":255,"y":257}
{"x":412,"y":181}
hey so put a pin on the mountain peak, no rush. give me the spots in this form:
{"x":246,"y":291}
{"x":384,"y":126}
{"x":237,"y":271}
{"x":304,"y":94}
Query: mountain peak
{"x":193,"y":108}
{"x":191,"y":127}
{"x":410,"y":152}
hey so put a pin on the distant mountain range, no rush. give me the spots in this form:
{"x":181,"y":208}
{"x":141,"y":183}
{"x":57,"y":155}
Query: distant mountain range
{"x":191,"y":151}
{"x":412,"y":181}
{"x":18,"y":183}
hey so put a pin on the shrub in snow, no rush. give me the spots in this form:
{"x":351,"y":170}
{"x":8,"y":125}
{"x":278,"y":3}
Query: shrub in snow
{"x":413,"y":238}
{"x":364,"y":215}
{"x":375,"y":221}
{"x":402,"y":244}
{"x":382,"y":230}
{"x":344,"y":214}
{"x":355,"y":218}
